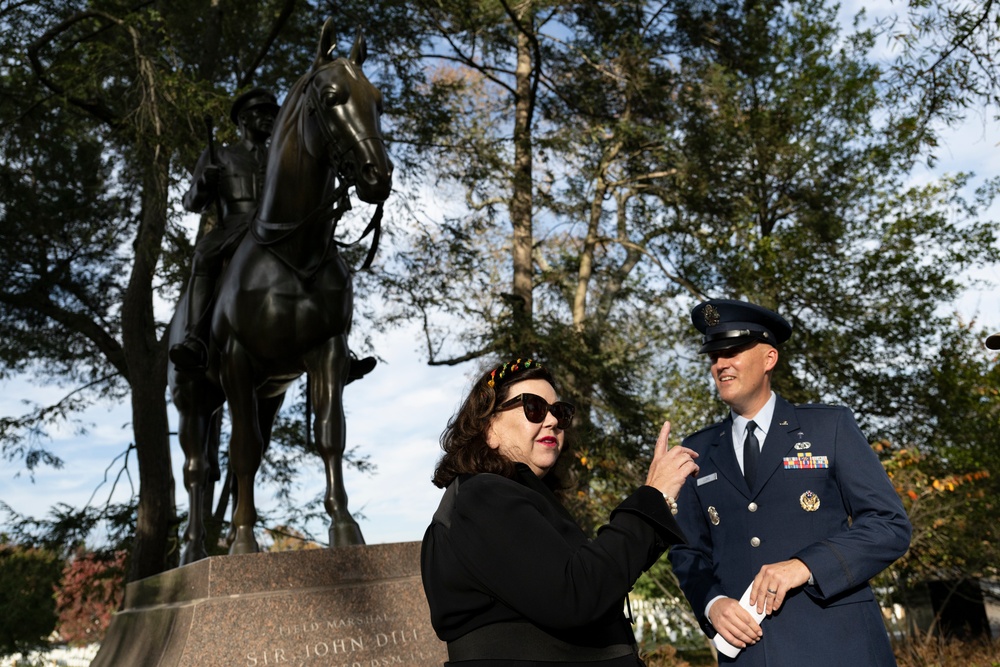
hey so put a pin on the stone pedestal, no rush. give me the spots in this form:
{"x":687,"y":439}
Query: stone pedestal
{"x":359,"y":606}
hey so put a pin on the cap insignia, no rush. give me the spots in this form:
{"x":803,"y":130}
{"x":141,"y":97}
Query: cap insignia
{"x":712,"y":317}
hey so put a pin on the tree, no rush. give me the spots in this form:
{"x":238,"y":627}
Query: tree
{"x":90,"y":592}
{"x":617,"y":163}
{"x":680,"y":150}
{"x":482,"y":94}
{"x":116,"y":95}
{"x":945,"y":467}
{"x":944,"y":55}
{"x":28,"y":577}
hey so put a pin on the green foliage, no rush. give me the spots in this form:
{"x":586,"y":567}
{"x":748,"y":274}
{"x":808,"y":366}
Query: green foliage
{"x":65,"y":227}
{"x":101,"y":113}
{"x":945,"y":466}
{"x":28,"y":578}
{"x":679,"y":151}
{"x":624,"y":159}
{"x":67,"y":529}
{"x":943,"y":58}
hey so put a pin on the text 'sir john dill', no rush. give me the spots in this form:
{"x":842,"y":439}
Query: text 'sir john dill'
{"x":383,"y":648}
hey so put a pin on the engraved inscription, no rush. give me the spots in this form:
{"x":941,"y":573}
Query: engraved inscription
{"x":396,"y":637}
{"x":334,"y":624}
{"x":370,"y":648}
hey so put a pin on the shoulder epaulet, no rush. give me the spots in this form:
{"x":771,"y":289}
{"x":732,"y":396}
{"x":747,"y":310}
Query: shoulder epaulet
{"x":710,"y":427}
{"x":817,"y":406}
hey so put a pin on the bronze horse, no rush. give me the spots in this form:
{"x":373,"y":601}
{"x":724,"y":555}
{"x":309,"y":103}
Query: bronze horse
{"x":285,"y":301}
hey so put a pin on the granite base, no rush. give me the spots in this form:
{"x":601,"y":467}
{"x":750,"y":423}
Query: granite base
{"x":359,"y":606}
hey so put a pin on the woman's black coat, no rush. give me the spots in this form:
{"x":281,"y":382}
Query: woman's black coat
{"x":505,"y":550}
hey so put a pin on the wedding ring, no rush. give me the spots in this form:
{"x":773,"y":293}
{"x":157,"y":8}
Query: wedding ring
{"x":772,"y":592}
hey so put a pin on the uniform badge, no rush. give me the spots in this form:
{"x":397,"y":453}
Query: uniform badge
{"x":713,"y":515}
{"x":784,"y":422}
{"x":712,"y":317}
{"x":803,"y":445}
{"x":809,"y":501}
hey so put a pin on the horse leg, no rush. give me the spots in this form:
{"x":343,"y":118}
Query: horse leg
{"x":246,"y":445}
{"x":267,"y":410}
{"x":213,"y":522}
{"x":327,"y":367}
{"x":194,"y":423}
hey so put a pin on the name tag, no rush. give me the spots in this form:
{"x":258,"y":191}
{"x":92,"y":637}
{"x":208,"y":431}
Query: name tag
{"x":805,"y":461}
{"x":708,"y":478}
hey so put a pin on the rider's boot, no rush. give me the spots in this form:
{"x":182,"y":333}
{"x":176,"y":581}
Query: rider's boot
{"x":359,"y":368}
{"x":191,"y":354}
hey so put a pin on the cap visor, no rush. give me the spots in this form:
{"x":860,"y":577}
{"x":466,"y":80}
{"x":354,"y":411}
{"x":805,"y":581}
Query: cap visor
{"x":726,"y":344}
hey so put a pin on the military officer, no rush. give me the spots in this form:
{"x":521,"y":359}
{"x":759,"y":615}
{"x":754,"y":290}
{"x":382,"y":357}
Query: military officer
{"x":232,"y":176}
{"x":792,"y":503}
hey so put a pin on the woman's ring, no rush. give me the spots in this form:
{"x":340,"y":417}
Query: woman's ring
{"x":772,"y":592}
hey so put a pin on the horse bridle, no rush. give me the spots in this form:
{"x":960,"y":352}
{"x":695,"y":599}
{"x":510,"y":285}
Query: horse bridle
{"x":333,"y":144}
{"x":337,"y":203}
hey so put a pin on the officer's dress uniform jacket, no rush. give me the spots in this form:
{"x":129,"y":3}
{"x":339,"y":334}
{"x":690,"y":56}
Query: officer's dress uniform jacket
{"x":240,"y":187}
{"x":512,"y":579}
{"x":821,"y":496}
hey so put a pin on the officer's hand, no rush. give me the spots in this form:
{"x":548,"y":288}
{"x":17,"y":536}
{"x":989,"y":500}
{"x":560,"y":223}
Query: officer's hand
{"x":734,"y":623}
{"x":211,"y":176}
{"x":774,"y":581}
{"x":671,"y":465}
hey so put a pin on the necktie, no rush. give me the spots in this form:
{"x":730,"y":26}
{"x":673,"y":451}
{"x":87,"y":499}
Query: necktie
{"x":751,"y":452}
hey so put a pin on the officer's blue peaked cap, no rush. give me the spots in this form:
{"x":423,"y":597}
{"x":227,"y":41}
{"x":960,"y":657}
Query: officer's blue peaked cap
{"x":727,"y":323}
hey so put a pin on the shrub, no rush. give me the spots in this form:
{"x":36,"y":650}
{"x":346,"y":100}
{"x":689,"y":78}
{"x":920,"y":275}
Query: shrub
{"x":28,"y":578}
{"x":947,"y":653}
{"x":92,"y":589}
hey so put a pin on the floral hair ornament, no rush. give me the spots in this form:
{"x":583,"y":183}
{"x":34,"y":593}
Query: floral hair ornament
{"x":509,"y":369}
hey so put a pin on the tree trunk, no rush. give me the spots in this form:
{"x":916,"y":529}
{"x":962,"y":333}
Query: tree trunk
{"x":521,"y":195}
{"x":155,"y":548}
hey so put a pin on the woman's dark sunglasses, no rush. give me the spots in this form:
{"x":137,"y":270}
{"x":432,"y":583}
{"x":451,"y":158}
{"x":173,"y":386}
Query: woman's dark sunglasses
{"x":535,"y":408}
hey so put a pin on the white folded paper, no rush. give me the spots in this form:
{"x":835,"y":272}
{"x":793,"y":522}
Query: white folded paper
{"x":725,"y":647}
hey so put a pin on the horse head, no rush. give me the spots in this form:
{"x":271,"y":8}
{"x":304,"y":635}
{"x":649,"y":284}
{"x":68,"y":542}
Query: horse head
{"x":343,"y":125}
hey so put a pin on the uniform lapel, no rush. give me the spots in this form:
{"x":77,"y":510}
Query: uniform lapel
{"x":723,"y":455}
{"x":779,"y":441}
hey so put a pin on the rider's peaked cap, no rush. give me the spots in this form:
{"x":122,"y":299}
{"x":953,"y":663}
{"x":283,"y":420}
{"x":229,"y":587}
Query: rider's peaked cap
{"x":726,"y":323}
{"x":250,"y":99}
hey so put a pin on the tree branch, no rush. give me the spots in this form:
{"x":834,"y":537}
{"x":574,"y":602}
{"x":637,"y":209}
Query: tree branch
{"x":93,"y":107}
{"x":41,"y":304}
{"x":279,"y":24}
{"x":960,"y":39}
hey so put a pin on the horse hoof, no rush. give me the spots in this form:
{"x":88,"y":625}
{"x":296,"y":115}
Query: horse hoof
{"x":245,"y":543}
{"x":345,"y":534}
{"x":193,"y":554}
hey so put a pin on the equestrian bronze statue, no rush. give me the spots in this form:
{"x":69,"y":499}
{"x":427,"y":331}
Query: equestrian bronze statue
{"x":285,"y":300}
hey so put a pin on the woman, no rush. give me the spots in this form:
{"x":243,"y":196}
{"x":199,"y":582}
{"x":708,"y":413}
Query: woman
{"x":510,"y":577}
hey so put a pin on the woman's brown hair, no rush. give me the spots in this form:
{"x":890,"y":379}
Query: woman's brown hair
{"x":464,"y":440}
